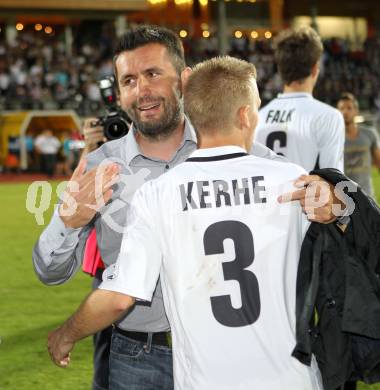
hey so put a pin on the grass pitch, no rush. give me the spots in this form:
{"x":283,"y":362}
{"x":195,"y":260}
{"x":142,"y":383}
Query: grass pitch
{"x":29,"y":309}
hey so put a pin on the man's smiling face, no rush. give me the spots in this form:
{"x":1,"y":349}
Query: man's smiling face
{"x":150,"y":89}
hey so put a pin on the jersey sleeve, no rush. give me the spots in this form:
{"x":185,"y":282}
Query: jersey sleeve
{"x":137,"y":268}
{"x":330,"y":137}
{"x":260,"y":150}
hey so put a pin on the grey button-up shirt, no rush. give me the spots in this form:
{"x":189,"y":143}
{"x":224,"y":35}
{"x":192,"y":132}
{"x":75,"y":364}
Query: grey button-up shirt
{"x":58,"y":253}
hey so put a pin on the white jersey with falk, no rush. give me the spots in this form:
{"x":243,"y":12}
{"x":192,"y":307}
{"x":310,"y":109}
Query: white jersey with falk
{"x":304,"y":130}
{"x":227,"y":253}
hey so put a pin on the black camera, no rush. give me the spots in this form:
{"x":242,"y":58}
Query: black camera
{"x":116,"y":122}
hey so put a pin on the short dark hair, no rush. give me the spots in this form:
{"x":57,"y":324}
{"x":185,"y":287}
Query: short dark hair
{"x":349,"y":97}
{"x":146,"y":34}
{"x":296,"y":52}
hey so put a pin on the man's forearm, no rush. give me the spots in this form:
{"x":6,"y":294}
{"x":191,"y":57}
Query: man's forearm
{"x":99,"y":310}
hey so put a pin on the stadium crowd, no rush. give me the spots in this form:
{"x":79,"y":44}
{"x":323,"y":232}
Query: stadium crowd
{"x":37,"y":75}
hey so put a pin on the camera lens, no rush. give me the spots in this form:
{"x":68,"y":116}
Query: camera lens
{"x":115,"y":128}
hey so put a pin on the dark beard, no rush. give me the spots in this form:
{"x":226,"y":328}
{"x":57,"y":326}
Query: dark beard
{"x":162,"y":128}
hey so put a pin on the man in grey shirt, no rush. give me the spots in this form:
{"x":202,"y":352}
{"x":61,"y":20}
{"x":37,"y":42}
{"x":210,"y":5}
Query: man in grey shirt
{"x":362,"y":145}
{"x":150,"y":71}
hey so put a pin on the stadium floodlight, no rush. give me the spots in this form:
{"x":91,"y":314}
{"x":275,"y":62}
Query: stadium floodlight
{"x":268,"y":34}
{"x":181,"y":2}
{"x":183,"y":33}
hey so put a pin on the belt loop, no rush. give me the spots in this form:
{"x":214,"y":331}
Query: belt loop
{"x":148,"y":345}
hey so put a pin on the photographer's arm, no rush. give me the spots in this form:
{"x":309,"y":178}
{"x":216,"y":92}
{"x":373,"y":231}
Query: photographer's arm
{"x":93,"y":135}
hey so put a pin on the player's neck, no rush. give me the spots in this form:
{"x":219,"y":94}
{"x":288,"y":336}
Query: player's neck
{"x":352,"y":130}
{"x":216,"y":141}
{"x":306,"y":85}
{"x":163,"y":148}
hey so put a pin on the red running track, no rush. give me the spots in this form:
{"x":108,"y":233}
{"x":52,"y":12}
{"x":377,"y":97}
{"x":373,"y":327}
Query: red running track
{"x":28,"y":177}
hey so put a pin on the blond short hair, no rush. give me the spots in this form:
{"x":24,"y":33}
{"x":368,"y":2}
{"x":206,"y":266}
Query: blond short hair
{"x":216,"y":89}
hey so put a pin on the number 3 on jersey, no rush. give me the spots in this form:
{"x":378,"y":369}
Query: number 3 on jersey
{"x":221,"y":305}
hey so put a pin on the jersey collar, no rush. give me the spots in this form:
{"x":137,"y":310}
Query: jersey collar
{"x":218,"y":153}
{"x":294,"y":95}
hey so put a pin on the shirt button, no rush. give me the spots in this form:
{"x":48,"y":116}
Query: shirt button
{"x":62,"y":235}
{"x":167,"y":166}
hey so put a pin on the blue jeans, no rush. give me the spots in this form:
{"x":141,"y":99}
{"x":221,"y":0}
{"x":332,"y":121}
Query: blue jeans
{"x":136,"y":365}
{"x":102,"y":342}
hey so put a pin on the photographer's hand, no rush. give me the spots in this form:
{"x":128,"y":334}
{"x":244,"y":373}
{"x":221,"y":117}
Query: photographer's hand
{"x":93,"y":134}
{"x":86,"y":193}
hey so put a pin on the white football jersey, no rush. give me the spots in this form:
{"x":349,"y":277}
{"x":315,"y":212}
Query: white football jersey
{"x":304,"y":130}
{"x":227,"y":253}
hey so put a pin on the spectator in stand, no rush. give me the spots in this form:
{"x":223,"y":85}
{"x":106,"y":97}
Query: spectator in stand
{"x":34,"y":67}
{"x":47,"y":145}
{"x":29,"y":146}
{"x":67,"y":153}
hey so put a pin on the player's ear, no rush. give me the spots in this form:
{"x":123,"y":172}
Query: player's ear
{"x":243,"y":117}
{"x":315,"y":70}
{"x":185,"y":75}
